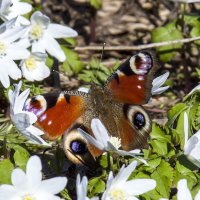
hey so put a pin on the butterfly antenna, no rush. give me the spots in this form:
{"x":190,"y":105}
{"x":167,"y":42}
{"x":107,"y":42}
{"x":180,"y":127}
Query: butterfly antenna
{"x":104,"y":44}
{"x":100,"y":60}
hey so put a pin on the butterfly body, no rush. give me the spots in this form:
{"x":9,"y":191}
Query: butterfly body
{"x":116,"y":104}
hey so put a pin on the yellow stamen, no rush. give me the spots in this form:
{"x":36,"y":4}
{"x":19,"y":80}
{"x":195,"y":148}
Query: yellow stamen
{"x":2,"y":48}
{"x":28,"y":197}
{"x":30,"y":63}
{"x":118,"y":194}
{"x":36,"y":31}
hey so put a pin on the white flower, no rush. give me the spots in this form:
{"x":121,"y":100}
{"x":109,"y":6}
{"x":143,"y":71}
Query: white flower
{"x":10,"y":9}
{"x":158,"y":82}
{"x":183,"y":191}
{"x":120,"y":188}
{"x":23,"y":120}
{"x":29,"y":185}
{"x":81,"y":188}
{"x":192,"y":146}
{"x":107,"y":143}
{"x":42,"y":35}
{"x":34,"y":67}
{"x":9,"y":51}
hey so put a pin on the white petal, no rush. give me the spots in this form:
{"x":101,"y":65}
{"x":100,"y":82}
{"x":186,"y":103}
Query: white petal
{"x":124,"y":173}
{"x":16,"y":52}
{"x":7,"y":25}
{"x":54,"y":49}
{"x":13,"y":94}
{"x":138,"y":186}
{"x":8,"y":193}
{"x":91,"y":140}
{"x":5,"y":4}
{"x":21,"y":121}
{"x":38,"y":18}
{"x":19,"y":180}
{"x":54,"y":185}
{"x":33,"y":171}
{"x":99,"y":131}
{"x":60,"y":31}
{"x":22,"y":21}
{"x":159,"y":90}
{"x":197,"y":197}
{"x":24,"y":42}
{"x":40,"y":72}
{"x":158,"y":82}
{"x":38,"y":46}
{"x":35,"y":131}
{"x":20,"y":100}
{"x":21,"y":8}
{"x":12,"y":34}
{"x":183,"y":191}
{"x":4,"y":75}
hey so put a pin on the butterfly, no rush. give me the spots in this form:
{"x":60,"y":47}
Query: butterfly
{"x":118,"y":104}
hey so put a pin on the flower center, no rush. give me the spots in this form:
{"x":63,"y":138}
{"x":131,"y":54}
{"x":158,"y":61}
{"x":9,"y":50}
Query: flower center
{"x":36,"y":32}
{"x":2,"y":49}
{"x":30,"y":63}
{"x":118,"y":194}
{"x":28,"y":197}
{"x":116,"y":142}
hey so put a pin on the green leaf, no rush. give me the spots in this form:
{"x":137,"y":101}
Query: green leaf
{"x":96,"y":186}
{"x":96,"y":3}
{"x":6,"y":168}
{"x":21,"y":156}
{"x":49,"y":62}
{"x":159,"y":147}
{"x":72,"y":64}
{"x":104,"y":161}
{"x":167,"y":33}
{"x":162,"y":184}
{"x":175,"y":111}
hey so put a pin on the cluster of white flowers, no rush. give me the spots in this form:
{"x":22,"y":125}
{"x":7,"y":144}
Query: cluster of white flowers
{"x":30,"y":186}
{"x":28,"y":42}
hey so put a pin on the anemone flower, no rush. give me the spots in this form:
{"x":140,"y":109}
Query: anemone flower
{"x":34,"y":67}
{"x":23,"y":120}
{"x":120,"y":187}
{"x":42,"y":34}
{"x":30,"y":186}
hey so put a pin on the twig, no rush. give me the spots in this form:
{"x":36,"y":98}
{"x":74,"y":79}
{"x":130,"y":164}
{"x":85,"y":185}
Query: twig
{"x":139,"y":47}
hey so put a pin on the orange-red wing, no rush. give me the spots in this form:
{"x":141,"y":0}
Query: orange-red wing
{"x":56,"y":112}
{"x":132,"y":81}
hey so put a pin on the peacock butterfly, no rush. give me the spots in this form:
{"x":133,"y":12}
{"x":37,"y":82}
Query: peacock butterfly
{"x":117,"y":104}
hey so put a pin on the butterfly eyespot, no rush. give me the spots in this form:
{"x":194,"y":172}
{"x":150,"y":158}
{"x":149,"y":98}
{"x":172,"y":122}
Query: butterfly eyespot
{"x":139,"y":120}
{"x":141,"y":63}
{"x":78,"y":147}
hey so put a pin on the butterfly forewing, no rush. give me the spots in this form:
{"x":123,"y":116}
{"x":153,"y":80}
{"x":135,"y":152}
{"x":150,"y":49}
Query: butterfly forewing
{"x":132,"y":81}
{"x":56,"y":112}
